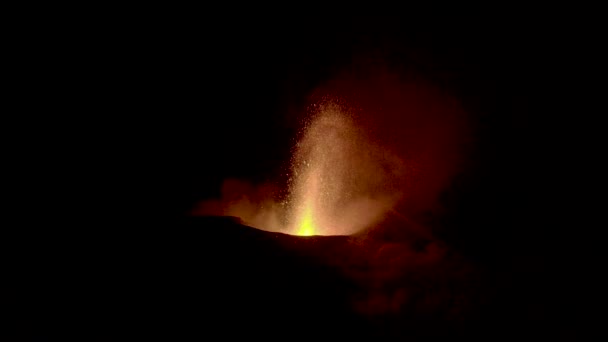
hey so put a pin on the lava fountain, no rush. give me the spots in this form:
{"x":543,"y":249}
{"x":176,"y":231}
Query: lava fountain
{"x":336,"y":179}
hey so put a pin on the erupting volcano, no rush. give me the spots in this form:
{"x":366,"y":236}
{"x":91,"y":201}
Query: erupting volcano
{"x":330,"y":177}
{"x":370,"y":143}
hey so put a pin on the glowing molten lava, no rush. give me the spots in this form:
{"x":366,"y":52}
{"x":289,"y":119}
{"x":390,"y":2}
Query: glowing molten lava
{"x":305,"y":223}
{"x":306,"y":226}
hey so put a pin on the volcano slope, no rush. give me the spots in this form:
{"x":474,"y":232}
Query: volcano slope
{"x":213,"y":276}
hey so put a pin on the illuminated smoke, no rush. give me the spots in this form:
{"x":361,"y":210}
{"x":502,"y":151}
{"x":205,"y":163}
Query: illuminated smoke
{"x":254,"y":204}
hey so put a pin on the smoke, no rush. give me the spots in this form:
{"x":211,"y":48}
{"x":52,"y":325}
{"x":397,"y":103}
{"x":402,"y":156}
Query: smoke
{"x":254,"y":204}
{"x":373,"y":141}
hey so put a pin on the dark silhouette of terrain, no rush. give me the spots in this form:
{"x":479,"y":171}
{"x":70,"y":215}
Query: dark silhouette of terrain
{"x":213,"y":276}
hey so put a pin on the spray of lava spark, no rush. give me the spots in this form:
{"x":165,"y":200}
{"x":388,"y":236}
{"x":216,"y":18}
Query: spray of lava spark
{"x":335,"y":189}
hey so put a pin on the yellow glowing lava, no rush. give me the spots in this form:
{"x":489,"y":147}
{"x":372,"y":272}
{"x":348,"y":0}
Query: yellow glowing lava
{"x":307,"y":214}
{"x":306,"y":226}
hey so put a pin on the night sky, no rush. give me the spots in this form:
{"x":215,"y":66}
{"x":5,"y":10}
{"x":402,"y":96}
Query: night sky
{"x":212,"y":104}
{"x":218,"y":105}
{"x":217,"y":100}
{"x":178,"y":106}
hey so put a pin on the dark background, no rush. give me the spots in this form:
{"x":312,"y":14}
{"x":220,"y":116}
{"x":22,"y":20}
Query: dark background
{"x":159,"y":111}
{"x":200,"y":102}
